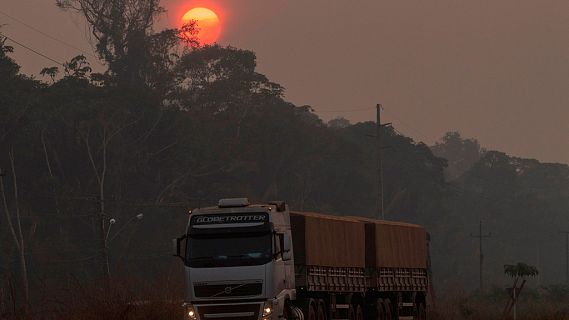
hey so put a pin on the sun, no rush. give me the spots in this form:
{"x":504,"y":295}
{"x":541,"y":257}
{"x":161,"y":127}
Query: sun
{"x":208,"y":24}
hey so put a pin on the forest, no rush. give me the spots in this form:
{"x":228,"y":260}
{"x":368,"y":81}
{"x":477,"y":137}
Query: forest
{"x":99,"y":169}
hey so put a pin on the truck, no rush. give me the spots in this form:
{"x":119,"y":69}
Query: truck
{"x":246,"y":261}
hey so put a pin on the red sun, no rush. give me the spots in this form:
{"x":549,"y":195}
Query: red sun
{"x":208,"y":24}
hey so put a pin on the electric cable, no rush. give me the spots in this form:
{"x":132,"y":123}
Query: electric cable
{"x":32,"y":50}
{"x":344,"y":110}
{"x":43,"y":33}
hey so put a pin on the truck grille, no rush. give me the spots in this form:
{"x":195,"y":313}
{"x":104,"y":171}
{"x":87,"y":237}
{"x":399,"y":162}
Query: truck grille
{"x":228,"y":290}
{"x":231,"y":312}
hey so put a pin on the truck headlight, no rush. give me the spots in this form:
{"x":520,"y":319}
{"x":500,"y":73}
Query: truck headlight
{"x":268,"y":308}
{"x":190,"y":312}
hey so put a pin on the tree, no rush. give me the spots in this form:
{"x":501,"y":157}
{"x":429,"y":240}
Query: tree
{"x":461,"y":154}
{"x":339,"y":122}
{"x":17,"y":96}
{"x":8,"y":67}
{"x":519,"y":272}
{"x":126,"y":41}
{"x":215,"y":79}
{"x":16,"y":225}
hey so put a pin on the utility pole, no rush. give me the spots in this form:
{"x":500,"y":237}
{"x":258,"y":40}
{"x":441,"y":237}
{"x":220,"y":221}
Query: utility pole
{"x":566,"y":255}
{"x":481,"y":236}
{"x":380,"y":210}
{"x":538,"y":265}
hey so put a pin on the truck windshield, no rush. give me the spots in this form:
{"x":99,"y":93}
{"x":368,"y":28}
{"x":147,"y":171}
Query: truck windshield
{"x":229,"y":250}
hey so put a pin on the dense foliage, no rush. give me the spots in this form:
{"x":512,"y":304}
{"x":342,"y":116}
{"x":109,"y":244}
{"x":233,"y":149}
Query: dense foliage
{"x":523,"y":204}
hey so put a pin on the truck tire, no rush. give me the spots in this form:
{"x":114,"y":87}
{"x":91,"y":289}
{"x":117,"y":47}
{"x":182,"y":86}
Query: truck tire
{"x":351,"y":312}
{"x":387,"y":308}
{"x":287,"y":311}
{"x":420,"y":311}
{"x":355,"y":312}
{"x":311,"y":312}
{"x":297,"y":313}
{"x":359,"y":312}
{"x":321,"y":311}
{"x":380,"y":309}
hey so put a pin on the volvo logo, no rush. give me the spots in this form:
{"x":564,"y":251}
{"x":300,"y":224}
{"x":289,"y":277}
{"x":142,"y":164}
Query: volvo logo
{"x":228,"y":290}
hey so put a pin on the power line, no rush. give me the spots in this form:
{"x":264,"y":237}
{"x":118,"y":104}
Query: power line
{"x":400,"y":122}
{"x":344,"y":110}
{"x":406,"y":125}
{"x":32,"y":50}
{"x":43,"y":33}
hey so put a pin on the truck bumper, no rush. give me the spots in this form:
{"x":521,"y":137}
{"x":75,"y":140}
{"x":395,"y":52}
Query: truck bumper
{"x":237,"y":311}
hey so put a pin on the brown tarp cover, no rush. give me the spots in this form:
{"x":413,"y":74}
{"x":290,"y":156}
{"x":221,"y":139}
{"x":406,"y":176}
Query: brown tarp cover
{"x":394,"y":244}
{"x":325,"y":240}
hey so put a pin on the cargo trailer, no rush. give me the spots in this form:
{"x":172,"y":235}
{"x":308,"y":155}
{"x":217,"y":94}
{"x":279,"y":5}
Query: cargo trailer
{"x":261,"y":261}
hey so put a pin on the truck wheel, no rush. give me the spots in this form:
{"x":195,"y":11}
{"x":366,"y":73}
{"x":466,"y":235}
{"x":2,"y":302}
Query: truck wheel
{"x":420,"y":312}
{"x":311,"y":310}
{"x":322,"y":308}
{"x":359,"y":312}
{"x":351,"y":312}
{"x":287,"y":311}
{"x":380,"y":309}
{"x":387,"y":308}
{"x":296,"y":313}
{"x":321,"y":313}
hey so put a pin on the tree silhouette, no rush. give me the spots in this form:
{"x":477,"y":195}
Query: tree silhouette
{"x":126,"y":41}
{"x":519,"y":272}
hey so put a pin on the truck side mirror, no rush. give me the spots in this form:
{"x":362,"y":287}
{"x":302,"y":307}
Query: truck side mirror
{"x":176,"y":248}
{"x":287,"y":244}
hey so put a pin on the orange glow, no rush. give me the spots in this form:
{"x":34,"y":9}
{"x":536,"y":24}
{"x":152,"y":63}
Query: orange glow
{"x":208,"y":24}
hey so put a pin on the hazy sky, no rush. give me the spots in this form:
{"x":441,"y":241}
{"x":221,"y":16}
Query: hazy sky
{"x":496,"y":70}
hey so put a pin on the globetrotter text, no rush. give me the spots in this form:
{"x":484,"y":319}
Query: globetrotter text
{"x":229,"y":219}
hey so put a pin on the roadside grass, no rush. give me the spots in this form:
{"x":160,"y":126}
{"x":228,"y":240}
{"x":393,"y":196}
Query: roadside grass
{"x":546,"y":303}
{"x":131,"y":300}
{"x":124,"y":300}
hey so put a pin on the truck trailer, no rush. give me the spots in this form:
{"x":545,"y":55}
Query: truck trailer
{"x":247,"y":261}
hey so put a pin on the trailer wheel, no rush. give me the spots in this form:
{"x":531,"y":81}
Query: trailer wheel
{"x":321,"y":313}
{"x":311,"y":314}
{"x":420,"y":311}
{"x":380,"y":309}
{"x":351,"y":312}
{"x":387,"y":307}
{"x":359,"y":312}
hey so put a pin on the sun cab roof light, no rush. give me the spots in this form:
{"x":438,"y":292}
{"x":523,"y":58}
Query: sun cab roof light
{"x":233,"y":202}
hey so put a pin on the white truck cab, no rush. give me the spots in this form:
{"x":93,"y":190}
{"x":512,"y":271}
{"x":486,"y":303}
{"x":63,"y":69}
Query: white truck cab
{"x":238,"y":261}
